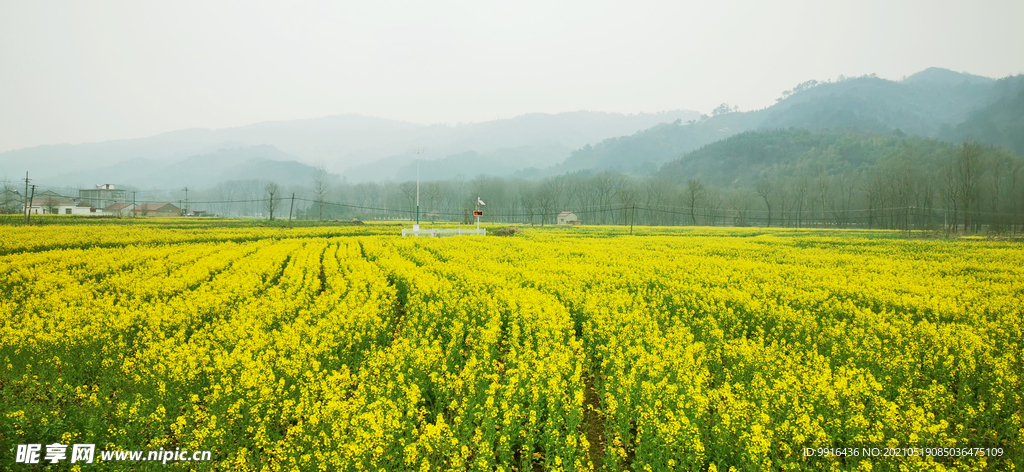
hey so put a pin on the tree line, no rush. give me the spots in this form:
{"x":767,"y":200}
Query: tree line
{"x":974,"y":188}
{"x":959,"y":188}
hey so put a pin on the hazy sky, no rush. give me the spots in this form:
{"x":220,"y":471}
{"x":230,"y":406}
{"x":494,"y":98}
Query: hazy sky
{"x":89,"y":71}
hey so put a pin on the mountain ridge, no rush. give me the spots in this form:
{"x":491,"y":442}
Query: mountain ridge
{"x":922,"y":107}
{"x":341,"y":142}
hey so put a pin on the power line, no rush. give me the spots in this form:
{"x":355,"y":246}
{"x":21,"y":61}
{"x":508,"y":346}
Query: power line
{"x":811,"y":215}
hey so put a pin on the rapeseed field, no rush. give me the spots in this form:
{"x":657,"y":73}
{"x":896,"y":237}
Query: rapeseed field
{"x":564,"y":349}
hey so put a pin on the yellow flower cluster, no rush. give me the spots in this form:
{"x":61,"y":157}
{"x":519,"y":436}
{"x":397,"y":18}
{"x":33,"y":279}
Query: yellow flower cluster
{"x":325,"y":348}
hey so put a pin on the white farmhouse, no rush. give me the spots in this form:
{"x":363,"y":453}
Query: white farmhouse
{"x":52,"y":203}
{"x":568,"y":218}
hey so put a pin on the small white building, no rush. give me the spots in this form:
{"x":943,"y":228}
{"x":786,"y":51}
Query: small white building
{"x":86,"y":209}
{"x":52,"y":203}
{"x":567,"y":218}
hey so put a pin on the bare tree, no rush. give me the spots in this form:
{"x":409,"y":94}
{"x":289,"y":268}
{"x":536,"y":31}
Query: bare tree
{"x":847,"y":186}
{"x":1016,"y":170}
{"x":765,"y":189}
{"x":968,"y":173}
{"x":823,"y":190}
{"x":528,"y":199}
{"x":225,"y":193}
{"x":656,"y":193}
{"x":549,"y":195}
{"x":800,"y":191}
{"x":1000,"y":165}
{"x":785,"y":206}
{"x":50,"y":204}
{"x":273,"y":197}
{"x":694,"y":194}
{"x":627,"y":194}
{"x":604,"y":187}
{"x":408,"y":189}
{"x":10,"y":198}
{"x":321,"y":187}
{"x":712,"y":206}
{"x":432,"y":194}
{"x":950,"y":190}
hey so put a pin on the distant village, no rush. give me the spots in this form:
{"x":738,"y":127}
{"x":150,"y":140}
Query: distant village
{"x":104,"y":199}
{"x":108,"y":200}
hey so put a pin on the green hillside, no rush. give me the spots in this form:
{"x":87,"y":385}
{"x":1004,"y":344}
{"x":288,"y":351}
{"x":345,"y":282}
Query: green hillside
{"x":934,"y":103}
{"x":743,"y":159}
{"x":1000,"y":123}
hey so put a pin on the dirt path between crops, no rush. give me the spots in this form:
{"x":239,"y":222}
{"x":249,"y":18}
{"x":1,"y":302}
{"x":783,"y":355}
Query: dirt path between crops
{"x":593,"y":423}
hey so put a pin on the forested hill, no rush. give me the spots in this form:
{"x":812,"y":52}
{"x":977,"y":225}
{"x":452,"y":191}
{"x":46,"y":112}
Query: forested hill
{"x":929,"y":103}
{"x":644,"y":151}
{"x":1001,"y":123}
{"x":933,"y":103}
{"x":743,"y":159}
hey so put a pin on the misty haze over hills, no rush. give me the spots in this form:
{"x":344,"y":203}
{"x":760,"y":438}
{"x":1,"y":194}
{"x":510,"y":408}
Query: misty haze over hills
{"x":360,"y":148}
{"x":935,"y":103}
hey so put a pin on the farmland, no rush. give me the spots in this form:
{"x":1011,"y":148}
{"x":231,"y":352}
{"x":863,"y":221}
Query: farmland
{"x":348,"y":348}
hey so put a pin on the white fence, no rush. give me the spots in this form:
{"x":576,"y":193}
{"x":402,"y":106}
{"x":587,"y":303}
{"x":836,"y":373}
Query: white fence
{"x":443,"y":233}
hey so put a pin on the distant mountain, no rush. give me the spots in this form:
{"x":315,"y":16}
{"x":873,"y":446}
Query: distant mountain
{"x":946,"y":77}
{"x":933,"y":103}
{"x":204,"y":170}
{"x":917,"y":105}
{"x":644,"y":151}
{"x":502,"y":147}
{"x":364,"y":148}
{"x":336,"y":140}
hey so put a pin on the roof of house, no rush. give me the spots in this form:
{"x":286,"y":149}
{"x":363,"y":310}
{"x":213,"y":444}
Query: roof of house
{"x":52,"y":201}
{"x":156,"y":206}
{"x":118,"y":206}
{"x":565,"y":213}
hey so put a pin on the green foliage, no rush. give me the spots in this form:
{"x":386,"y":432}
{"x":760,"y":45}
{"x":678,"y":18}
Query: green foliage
{"x":1001,"y":123}
{"x":747,"y":157}
{"x":930,"y":104}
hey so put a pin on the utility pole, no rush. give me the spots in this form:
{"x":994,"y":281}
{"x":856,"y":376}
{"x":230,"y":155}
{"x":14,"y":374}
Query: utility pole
{"x":418,"y":152}
{"x":186,"y":201}
{"x":33,"y":197}
{"x":417,"y":195}
{"x":25,"y":197}
{"x":632,"y":217}
{"x":133,"y":203}
{"x":290,"y":208}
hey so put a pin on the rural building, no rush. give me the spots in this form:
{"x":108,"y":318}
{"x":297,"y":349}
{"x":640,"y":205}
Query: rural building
{"x":568,"y":218}
{"x":119,"y":209}
{"x":53,"y":206}
{"x":86,"y":209}
{"x":102,"y":196}
{"x":53,"y":203}
{"x":11,"y":201}
{"x":162,"y":209}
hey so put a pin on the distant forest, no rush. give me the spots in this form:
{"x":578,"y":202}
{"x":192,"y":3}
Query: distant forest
{"x":788,"y":178}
